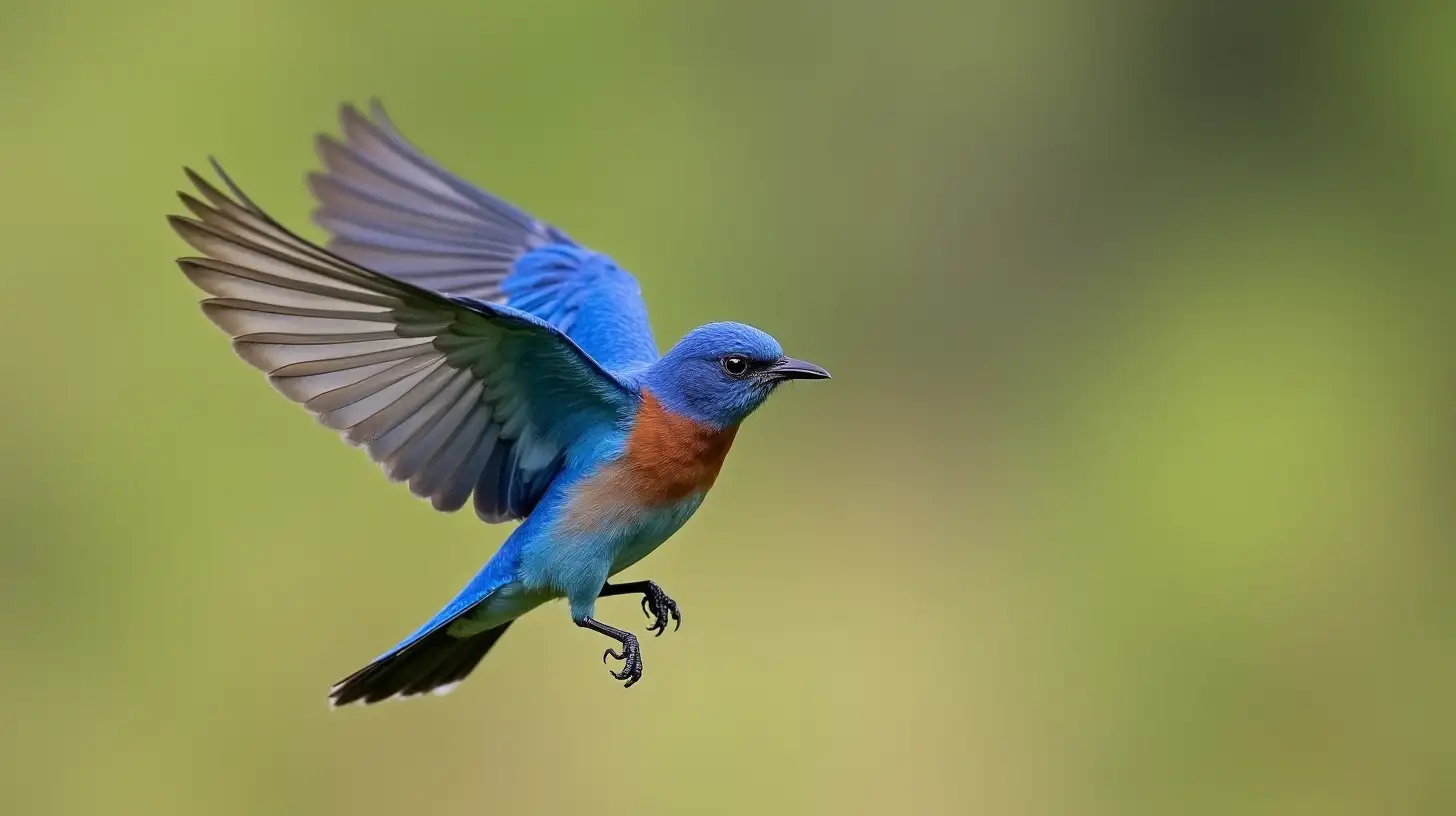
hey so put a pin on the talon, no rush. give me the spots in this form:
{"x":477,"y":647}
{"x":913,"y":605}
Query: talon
{"x":659,"y":607}
{"x":632,"y":663}
{"x":631,"y":654}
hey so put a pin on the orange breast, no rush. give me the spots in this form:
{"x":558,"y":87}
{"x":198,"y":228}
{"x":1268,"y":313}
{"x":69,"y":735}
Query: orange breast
{"x":668,"y":458}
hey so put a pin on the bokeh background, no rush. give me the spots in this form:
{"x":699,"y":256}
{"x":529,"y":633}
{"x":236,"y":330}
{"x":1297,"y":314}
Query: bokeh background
{"x":1132,"y":493}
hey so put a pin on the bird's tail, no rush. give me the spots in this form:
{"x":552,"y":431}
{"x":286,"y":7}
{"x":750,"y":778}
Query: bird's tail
{"x":436,"y":662}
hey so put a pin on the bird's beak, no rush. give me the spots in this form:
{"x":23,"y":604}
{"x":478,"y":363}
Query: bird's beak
{"x":790,"y":369}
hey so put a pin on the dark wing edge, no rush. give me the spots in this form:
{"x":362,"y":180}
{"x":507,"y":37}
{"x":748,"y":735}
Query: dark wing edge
{"x":449,"y":395}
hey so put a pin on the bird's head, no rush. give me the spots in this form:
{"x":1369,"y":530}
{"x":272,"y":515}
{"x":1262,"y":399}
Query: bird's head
{"x":719,"y":373}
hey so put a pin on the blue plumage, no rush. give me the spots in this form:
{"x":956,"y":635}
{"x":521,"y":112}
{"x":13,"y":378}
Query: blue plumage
{"x":587,"y":296}
{"x":473,"y":350}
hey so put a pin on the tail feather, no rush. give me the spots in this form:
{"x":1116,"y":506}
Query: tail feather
{"x":436,"y":662}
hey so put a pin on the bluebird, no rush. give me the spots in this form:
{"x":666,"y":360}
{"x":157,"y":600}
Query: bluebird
{"x":478,"y":353}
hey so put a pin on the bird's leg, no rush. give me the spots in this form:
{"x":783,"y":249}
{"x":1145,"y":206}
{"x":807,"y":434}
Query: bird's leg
{"x":631,"y":655}
{"x":654,"y":602}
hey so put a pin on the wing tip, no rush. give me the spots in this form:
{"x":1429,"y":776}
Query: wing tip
{"x":381,"y":117}
{"x":191,"y":230}
{"x":193,"y":268}
{"x":179,"y":223}
{"x":328,"y":149}
{"x":232,"y":186}
{"x":349,"y":108}
{"x":195,"y":177}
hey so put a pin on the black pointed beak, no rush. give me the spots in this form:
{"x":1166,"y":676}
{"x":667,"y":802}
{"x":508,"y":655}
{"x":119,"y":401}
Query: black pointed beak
{"x":790,"y":369}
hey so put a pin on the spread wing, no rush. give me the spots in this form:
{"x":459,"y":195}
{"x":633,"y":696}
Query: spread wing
{"x":391,"y":208}
{"x":452,"y":395}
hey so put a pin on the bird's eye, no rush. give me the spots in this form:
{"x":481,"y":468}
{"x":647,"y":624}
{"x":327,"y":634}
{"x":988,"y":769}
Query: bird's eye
{"x":735,"y":365}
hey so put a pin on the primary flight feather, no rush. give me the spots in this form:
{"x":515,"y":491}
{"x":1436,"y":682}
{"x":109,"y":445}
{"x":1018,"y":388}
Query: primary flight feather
{"x":475,"y":351}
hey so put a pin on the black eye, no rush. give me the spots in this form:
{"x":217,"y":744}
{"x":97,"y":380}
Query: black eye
{"x":735,"y":365}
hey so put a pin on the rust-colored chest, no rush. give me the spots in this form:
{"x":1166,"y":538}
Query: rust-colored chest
{"x":669,"y":456}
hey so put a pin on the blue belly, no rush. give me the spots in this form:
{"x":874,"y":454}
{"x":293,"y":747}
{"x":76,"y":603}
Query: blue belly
{"x":564,"y":559}
{"x":657,"y":526}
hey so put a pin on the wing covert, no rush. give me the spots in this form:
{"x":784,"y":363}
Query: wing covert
{"x":453,"y":395}
{"x":391,"y":208}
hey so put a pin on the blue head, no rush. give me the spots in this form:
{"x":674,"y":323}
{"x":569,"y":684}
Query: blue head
{"x":719,"y":373}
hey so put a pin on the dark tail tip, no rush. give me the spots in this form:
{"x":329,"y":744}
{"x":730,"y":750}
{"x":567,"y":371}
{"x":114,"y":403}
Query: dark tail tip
{"x":435,"y":663}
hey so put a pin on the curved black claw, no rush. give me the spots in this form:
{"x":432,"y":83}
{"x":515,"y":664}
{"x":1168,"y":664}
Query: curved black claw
{"x":657,"y":606}
{"x":631,"y":654}
{"x":631,"y":657}
{"x":655,"y":603}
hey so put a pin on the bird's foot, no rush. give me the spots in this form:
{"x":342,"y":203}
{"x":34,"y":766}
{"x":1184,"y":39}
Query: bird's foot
{"x":631,"y":654}
{"x":631,"y":657}
{"x":659,"y":607}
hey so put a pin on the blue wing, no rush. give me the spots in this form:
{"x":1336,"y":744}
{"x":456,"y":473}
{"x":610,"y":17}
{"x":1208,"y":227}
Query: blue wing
{"x":391,"y":208}
{"x":453,"y":395}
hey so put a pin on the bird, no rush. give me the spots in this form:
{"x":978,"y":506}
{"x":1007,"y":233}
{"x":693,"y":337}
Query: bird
{"x":481,"y":355}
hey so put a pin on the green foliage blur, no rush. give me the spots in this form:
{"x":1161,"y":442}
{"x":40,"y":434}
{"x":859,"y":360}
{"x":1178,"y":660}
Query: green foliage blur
{"x":1132,"y":492}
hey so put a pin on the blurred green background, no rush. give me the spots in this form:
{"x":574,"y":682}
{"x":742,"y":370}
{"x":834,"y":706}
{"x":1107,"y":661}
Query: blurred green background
{"x":1132,"y":492}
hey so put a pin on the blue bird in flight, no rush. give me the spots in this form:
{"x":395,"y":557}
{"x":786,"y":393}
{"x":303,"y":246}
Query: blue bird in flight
{"x":474,"y":350}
